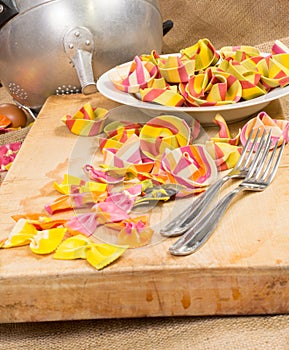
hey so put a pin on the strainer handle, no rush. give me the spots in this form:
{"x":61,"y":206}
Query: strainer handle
{"x":83,"y":64}
{"x":79,"y":45}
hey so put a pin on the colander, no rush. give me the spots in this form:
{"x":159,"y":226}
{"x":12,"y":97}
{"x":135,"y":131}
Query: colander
{"x":63,"y":46}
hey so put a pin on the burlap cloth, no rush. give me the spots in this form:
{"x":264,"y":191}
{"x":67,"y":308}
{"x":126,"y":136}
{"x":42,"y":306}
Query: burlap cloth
{"x":13,"y":136}
{"x":224,"y":23}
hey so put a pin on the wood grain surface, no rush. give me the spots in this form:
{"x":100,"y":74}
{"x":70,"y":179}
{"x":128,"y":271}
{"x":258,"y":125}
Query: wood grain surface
{"x":243,"y":268}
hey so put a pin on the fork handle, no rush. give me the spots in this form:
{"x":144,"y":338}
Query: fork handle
{"x":199,"y":233}
{"x":193,"y":212}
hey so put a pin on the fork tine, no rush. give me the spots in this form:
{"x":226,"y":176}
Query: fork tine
{"x":255,"y":148}
{"x":276,"y":164}
{"x":266,"y":164}
{"x":246,"y":147}
{"x":247,"y":150}
{"x":260,"y":155}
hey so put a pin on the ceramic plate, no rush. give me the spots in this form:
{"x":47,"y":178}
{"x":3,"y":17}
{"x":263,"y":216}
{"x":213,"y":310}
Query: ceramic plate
{"x":231,"y":112}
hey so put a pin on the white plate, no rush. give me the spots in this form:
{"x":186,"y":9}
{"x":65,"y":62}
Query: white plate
{"x":231,"y":113}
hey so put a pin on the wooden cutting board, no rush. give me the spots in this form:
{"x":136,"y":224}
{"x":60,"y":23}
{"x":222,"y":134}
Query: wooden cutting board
{"x":243,"y":268}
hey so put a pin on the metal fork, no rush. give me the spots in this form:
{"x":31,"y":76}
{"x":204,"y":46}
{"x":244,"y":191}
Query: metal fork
{"x":181,"y":223}
{"x":259,"y":177}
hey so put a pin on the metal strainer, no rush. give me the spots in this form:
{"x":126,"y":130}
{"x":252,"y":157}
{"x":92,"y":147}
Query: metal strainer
{"x":63,"y":46}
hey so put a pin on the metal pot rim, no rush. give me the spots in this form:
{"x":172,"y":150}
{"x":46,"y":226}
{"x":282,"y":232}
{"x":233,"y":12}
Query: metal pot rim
{"x":26,"y":5}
